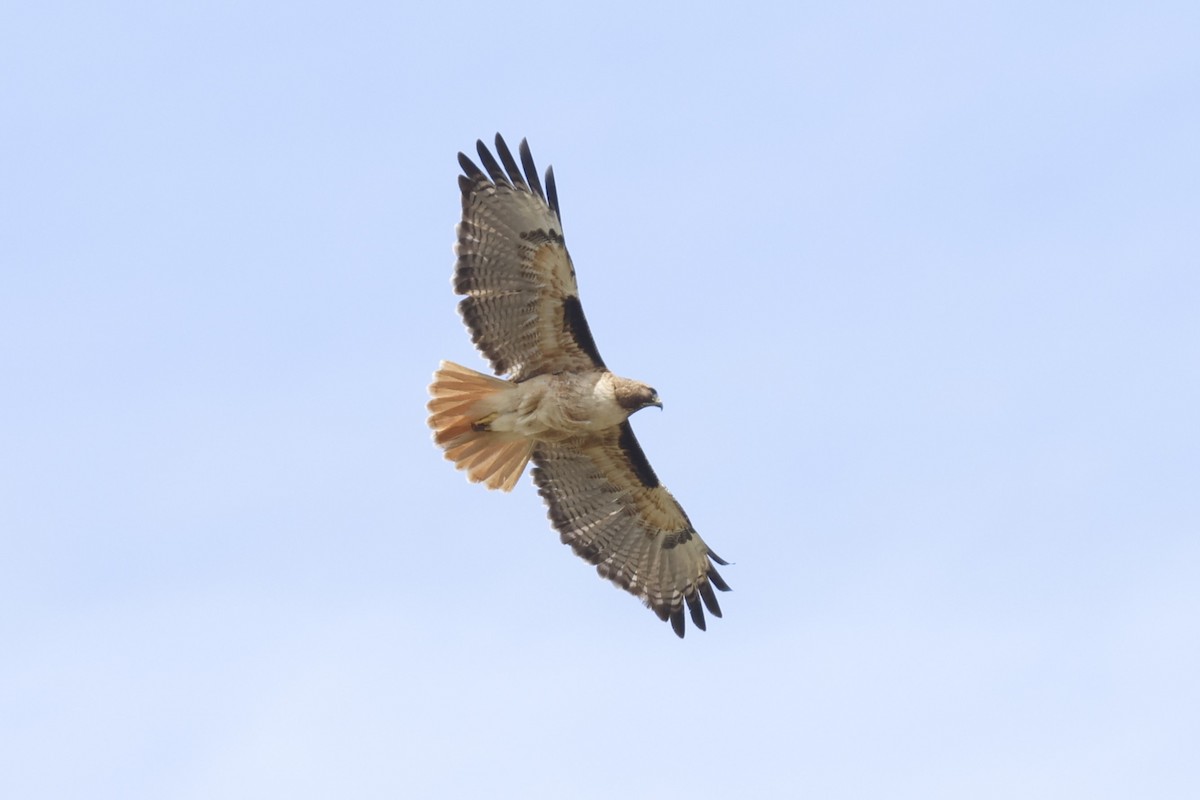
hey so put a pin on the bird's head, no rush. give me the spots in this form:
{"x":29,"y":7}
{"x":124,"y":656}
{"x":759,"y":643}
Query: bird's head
{"x":634,"y":396}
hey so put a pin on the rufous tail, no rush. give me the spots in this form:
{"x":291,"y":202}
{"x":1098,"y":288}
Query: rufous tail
{"x":460,"y":402}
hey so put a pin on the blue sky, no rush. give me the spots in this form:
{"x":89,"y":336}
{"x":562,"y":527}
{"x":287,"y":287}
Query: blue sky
{"x":919,"y":285}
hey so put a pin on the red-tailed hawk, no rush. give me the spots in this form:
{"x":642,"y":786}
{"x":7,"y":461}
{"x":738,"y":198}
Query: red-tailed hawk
{"x":560,"y":405}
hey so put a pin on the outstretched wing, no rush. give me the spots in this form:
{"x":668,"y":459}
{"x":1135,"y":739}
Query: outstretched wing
{"x":608,"y":504}
{"x":522,"y":303}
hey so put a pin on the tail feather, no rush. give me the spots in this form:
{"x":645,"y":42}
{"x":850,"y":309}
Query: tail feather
{"x":459,"y":401}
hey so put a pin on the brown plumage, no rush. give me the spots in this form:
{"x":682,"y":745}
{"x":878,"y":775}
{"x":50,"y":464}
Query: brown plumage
{"x":559,"y":406}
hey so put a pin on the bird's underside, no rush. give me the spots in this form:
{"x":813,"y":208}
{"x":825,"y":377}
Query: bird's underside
{"x":558,"y":405}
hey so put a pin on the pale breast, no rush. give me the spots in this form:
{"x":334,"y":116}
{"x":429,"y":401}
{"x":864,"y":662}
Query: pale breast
{"x":557,"y":407}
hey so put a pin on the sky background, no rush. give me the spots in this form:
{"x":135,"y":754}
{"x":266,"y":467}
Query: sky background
{"x":919,"y":284}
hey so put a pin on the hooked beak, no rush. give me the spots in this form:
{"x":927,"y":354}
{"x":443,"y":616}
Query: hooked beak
{"x":656,"y":403}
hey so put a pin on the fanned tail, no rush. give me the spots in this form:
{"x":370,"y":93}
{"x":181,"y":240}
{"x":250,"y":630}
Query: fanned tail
{"x":459,"y":404}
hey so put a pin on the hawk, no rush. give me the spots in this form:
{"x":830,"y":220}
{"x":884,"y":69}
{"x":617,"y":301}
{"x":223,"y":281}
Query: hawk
{"x":558,"y":405}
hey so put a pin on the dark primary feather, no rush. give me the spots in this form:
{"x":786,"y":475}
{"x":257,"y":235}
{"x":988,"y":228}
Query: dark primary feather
{"x":552,"y":192}
{"x":510,"y":164}
{"x":489,"y":163}
{"x":472,"y":172}
{"x":531,"y":172}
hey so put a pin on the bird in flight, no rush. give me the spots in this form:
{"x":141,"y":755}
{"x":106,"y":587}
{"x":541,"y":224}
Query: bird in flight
{"x":556,"y":403}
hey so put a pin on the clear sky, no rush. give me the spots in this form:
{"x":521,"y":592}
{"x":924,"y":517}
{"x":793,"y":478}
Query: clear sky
{"x":919,"y":284}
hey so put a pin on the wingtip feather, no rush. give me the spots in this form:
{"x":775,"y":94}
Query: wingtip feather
{"x":531,"y":173}
{"x":677,"y":622}
{"x":696,"y":611}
